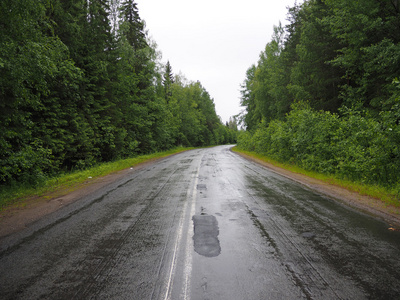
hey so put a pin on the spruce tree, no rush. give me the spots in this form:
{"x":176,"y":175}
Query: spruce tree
{"x":168,"y":80}
{"x":137,"y":78}
{"x":135,"y":31}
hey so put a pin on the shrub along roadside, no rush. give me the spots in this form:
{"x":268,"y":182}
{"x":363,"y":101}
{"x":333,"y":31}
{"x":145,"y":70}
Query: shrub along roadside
{"x":19,"y":195}
{"x":354,"y":147}
{"x":387,"y":196}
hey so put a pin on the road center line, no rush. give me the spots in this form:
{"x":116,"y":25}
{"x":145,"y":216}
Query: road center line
{"x":187,"y":273}
{"x":184,"y":221}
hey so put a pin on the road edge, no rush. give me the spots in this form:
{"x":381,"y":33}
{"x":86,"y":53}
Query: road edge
{"x":15,"y":219}
{"x":365,"y":204}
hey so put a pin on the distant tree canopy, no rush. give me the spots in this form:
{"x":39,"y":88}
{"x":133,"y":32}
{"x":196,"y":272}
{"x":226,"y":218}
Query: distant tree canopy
{"x":332,"y":53}
{"x":81,"y":83}
{"x":325,"y":93}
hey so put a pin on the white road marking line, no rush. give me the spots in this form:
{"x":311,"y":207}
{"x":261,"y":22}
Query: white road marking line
{"x":185,"y":220}
{"x":187,"y":273}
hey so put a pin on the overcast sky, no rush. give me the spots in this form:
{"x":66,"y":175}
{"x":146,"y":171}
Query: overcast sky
{"x":213,"y":41}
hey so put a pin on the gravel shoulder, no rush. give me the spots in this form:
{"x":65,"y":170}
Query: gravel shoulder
{"x":15,"y":219}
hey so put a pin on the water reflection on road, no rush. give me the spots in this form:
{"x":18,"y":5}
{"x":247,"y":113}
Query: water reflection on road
{"x":205,"y":224}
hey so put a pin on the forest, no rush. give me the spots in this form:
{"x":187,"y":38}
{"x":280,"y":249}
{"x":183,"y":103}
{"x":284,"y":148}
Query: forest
{"x":325,"y":92}
{"x":82,"y":83}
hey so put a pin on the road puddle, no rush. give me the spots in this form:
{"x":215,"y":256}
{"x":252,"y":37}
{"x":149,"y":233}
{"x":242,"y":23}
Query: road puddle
{"x":206,"y":231}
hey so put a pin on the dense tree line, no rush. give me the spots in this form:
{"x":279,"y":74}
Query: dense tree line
{"x":325,"y":94}
{"x":81,"y":83}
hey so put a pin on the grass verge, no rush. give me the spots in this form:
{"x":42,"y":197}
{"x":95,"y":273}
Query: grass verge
{"x":19,"y":195}
{"x":385,"y":195}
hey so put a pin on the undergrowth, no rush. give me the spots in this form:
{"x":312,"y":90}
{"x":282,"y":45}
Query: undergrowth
{"x":387,"y":196}
{"x":18,"y":194}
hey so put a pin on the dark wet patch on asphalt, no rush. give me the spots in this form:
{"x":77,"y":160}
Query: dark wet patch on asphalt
{"x":308,"y":234}
{"x":206,"y":231}
{"x":201,"y":186}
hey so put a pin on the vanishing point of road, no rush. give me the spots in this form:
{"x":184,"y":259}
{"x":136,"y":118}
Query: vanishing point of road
{"x":203,"y":224}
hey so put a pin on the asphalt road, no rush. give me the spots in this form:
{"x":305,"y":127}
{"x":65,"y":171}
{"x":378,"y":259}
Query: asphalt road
{"x":204,"y":224}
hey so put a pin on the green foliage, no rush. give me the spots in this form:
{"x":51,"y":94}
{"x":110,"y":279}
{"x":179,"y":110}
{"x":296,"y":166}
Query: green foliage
{"x":324,"y":94}
{"x":369,"y":54}
{"x":312,"y":77}
{"x":252,"y":116}
{"x":20,"y":193}
{"x":195,"y":120}
{"x":27,"y":164}
{"x":168,"y":80}
{"x":354,"y":146}
{"x":389,"y":196}
{"x":332,"y":53}
{"x":81,"y":83}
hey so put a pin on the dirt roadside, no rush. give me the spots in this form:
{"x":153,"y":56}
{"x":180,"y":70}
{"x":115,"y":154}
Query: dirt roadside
{"x":17,"y":218}
{"x":366,"y":204}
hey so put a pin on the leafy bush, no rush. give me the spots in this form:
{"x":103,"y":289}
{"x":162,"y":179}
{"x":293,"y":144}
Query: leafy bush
{"x":28,"y":165}
{"x":354,"y":146}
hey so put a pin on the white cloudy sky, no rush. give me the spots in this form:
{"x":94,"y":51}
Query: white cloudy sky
{"x":213,"y":41}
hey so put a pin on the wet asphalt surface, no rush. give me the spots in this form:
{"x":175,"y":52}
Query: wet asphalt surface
{"x":204,"y":224}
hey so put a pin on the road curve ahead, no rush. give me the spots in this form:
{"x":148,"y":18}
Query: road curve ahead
{"x":204,"y":224}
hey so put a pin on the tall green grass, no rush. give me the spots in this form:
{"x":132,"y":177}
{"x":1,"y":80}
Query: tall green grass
{"x":19,"y":193}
